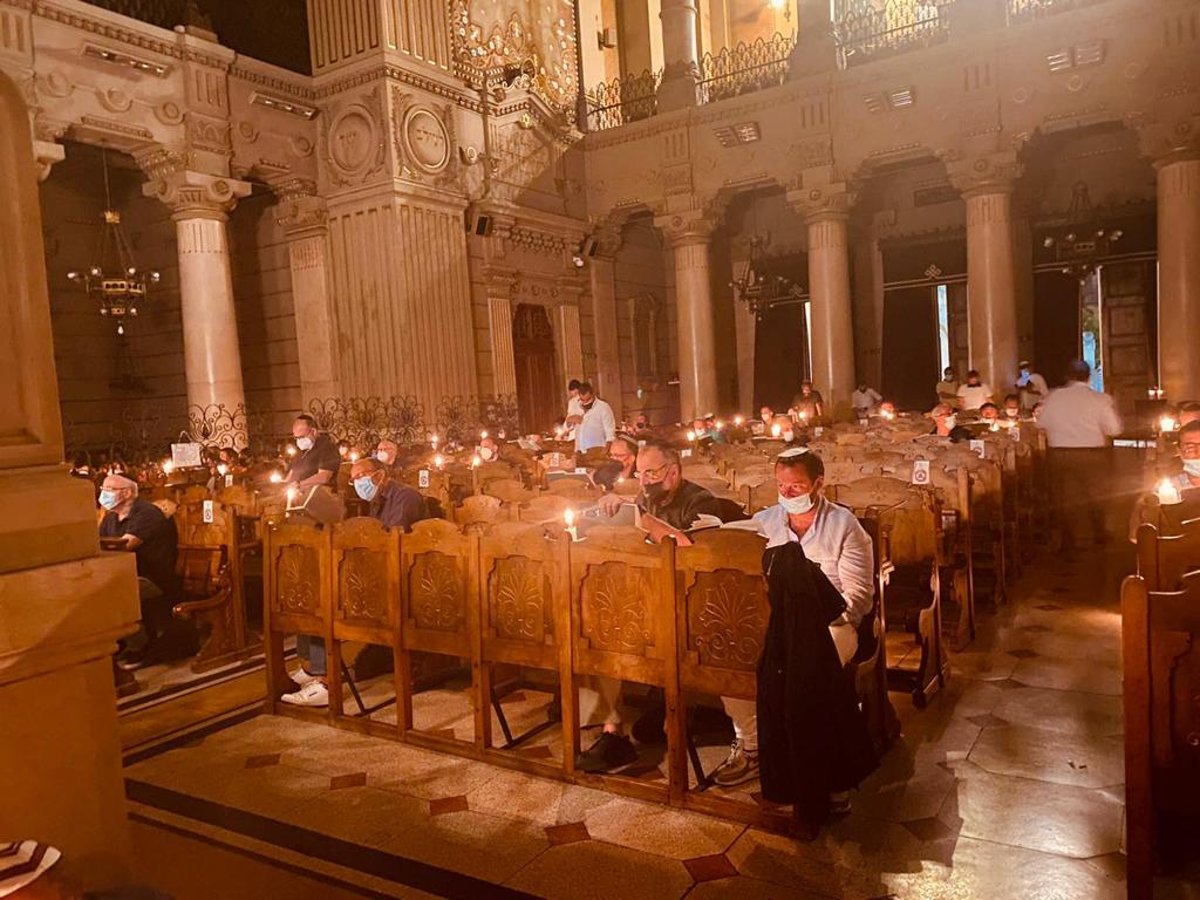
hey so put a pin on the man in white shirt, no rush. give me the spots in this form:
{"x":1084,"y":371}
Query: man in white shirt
{"x":1080,"y":424}
{"x":864,"y":400}
{"x":1031,"y":387}
{"x":974,"y":393}
{"x":597,"y":425}
{"x":832,"y":538}
{"x":573,"y":407}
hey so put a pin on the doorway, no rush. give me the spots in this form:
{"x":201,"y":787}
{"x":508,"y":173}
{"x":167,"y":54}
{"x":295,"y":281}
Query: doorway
{"x":912,"y":351}
{"x":538,"y":384}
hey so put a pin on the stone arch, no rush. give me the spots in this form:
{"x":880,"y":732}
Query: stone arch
{"x":30,"y":428}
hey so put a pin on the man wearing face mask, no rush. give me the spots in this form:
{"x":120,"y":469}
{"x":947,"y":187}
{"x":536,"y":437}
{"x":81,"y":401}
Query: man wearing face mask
{"x":395,"y":505}
{"x":135,"y":525}
{"x":597,"y":426}
{"x":1030,"y":386}
{"x":831,"y":537}
{"x":318,"y":459}
{"x":387,"y":452}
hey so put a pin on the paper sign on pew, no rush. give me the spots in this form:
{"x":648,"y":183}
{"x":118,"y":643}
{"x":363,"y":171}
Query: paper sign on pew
{"x":979,"y":448}
{"x":423,"y":478}
{"x":920,"y":472}
{"x":207,"y":512}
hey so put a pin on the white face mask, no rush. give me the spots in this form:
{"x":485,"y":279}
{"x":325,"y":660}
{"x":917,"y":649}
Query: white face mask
{"x":950,"y":422}
{"x":304,"y":443}
{"x":1192,"y":467}
{"x":788,"y":436}
{"x":796,"y":506}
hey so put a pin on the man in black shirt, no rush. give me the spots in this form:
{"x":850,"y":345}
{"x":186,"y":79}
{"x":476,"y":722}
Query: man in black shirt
{"x":135,"y":525}
{"x":318,"y":460}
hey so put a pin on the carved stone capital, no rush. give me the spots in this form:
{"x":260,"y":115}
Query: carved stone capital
{"x":501,"y":281}
{"x":1168,"y":140}
{"x":46,"y":154}
{"x":302,"y":215}
{"x":194,"y":195}
{"x":830,"y":201}
{"x":684,"y":228}
{"x":608,"y":241}
{"x":992,"y":173}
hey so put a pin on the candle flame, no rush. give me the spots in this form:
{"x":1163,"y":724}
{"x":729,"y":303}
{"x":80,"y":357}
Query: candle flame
{"x":476,"y":462}
{"x":1167,"y":492}
{"x":222,"y":469}
{"x":439,"y":460}
{"x":353,"y":456}
{"x":738,"y":420}
{"x":168,"y":467}
{"x":291,"y":450}
{"x":483,"y":435}
{"x":776,"y":430}
{"x":569,"y":517}
{"x":691,"y":435}
{"x":276,"y":478}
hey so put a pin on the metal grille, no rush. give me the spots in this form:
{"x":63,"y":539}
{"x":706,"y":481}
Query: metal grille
{"x":163,"y":13}
{"x":623,"y":100}
{"x":745,"y":68}
{"x":873,"y":29}
{"x":1028,"y":10}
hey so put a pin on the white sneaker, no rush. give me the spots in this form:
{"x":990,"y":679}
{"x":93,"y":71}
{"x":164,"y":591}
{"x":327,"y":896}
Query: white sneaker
{"x":312,"y":694}
{"x":302,"y":678}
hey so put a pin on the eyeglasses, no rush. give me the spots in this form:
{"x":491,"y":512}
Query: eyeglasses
{"x":654,"y":475}
{"x":1189,"y":448}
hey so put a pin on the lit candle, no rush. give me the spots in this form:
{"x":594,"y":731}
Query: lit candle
{"x":434,"y":441}
{"x":353,"y":456}
{"x":222,"y":469}
{"x":476,"y":461}
{"x":1168,"y":493}
{"x":168,"y":467}
{"x":439,"y":461}
{"x":569,"y":518}
{"x":483,"y":435}
{"x":292,"y":493}
{"x":1166,"y":423}
{"x":343,"y":449}
{"x":291,"y":450}
{"x":276,"y":477}
{"x":803,"y":414}
{"x":776,"y":430}
{"x":720,"y":425}
{"x":558,"y":432}
{"x":691,"y":436}
{"x":738,"y":420}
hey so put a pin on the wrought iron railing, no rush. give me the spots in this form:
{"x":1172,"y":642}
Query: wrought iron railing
{"x":869,"y":29}
{"x":623,"y":100}
{"x":1027,"y":10}
{"x":163,"y":13}
{"x":745,"y":68}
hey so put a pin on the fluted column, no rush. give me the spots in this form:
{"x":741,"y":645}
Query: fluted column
{"x":570,"y":341}
{"x":304,"y":220}
{"x":681,"y":55}
{"x":826,"y":214}
{"x":986,"y":183}
{"x":212,"y":360}
{"x":602,"y":276}
{"x":1179,"y":275}
{"x":690,"y":239}
{"x":868,"y":310}
{"x":500,"y":335}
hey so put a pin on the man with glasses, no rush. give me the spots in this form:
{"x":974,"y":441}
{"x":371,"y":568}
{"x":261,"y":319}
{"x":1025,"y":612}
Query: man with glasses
{"x":669,"y":505}
{"x":1187,"y":483}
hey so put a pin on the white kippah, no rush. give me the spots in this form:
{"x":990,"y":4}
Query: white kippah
{"x":793,"y":451}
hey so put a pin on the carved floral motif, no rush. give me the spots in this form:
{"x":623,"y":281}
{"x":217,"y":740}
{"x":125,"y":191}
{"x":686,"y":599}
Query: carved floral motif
{"x":519,"y":600}
{"x":435,"y":593}
{"x":363,"y":583}
{"x":615,"y":599}
{"x":297,"y":576}
{"x":727,"y":616}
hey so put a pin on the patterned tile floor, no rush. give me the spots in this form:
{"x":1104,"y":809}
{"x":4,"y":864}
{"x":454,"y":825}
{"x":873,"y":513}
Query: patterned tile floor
{"x":1010,"y":784}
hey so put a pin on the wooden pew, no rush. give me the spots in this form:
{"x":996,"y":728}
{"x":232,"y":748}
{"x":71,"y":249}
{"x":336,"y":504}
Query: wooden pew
{"x":1164,"y":559}
{"x":1160,"y":637}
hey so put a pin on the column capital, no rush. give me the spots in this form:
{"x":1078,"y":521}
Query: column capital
{"x":608,"y":240}
{"x":822,"y":204}
{"x":1163,"y":142}
{"x":686,"y":228}
{"x":195,"y":195}
{"x":501,"y":281}
{"x":301,"y":213}
{"x":991,"y":173}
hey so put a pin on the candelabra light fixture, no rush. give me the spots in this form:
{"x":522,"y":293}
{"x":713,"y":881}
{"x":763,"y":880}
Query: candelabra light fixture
{"x":1081,"y":244}
{"x":113,"y":279}
{"x":759,"y":289}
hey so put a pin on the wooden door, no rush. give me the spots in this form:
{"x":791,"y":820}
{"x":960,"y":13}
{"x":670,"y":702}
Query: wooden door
{"x":541,"y":395}
{"x":910,"y":347}
{"x":1126,"y":305}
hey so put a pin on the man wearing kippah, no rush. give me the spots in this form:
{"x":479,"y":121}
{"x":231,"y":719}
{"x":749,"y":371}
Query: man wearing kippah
{"x":132,"y":524}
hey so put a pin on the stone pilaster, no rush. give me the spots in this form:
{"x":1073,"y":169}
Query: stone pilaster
{"x":304,"y":219}
{"x":602,"y":275}
{"x":200,"y":205}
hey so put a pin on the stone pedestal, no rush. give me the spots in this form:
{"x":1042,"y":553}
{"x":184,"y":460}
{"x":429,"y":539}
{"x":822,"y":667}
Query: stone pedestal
{"x":690,"y":239}
{"x":1179,"y":276}
{"x":63,"y":605}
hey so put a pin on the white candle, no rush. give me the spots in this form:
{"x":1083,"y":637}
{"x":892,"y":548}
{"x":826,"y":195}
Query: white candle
{"x":476,"y":461}
{"x":1166,"y":423}
{"x":776,"y":430}
{"x":291,"y":450}
{"x":222,"y":469}
{"x":569,"y":518}
{"x":738,"y":420}
{"x":353,"y":456}
{"x":1168,"y":494}
{"x":276,"y":477}
{"x":691,"y":436}
{"x":439,"y":461}
{"x":168,"y":467}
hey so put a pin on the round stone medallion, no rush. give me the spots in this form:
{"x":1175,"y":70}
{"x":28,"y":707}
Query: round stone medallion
{"x":427,"y":140}
{"x":352,"y":139}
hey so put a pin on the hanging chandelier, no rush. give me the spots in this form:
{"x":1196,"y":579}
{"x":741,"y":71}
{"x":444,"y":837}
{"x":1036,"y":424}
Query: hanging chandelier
{"x":113,"y":279}
{"x":1083,"y":242}
{"x":757,"y":288}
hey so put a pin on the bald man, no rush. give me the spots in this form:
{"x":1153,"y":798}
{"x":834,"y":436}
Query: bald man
{"x":133,"y":525}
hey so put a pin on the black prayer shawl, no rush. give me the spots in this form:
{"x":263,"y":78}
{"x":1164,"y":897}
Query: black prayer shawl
{"x":812,"y":736}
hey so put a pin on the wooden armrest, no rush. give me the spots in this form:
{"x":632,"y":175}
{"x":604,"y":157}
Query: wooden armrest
{"x":187,"y":608}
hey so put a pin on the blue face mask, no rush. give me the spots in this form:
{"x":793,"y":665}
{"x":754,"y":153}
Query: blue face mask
{"x":796,"y":506}
{"x":108,"y":499}
{"x":366,"y":488}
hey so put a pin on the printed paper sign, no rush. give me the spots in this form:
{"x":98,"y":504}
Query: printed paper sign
{"x":555,"y":460}
{"x":818,"y":431}
{"x":580,"y":470}
{"x":920,"y":473}
{"x":207,"y":513}
{"x":685,"y":453}
{"x":423,"y":478}
{"x":185,"y":456}
{"x":979,"y":448}
{"x":229,"y":481}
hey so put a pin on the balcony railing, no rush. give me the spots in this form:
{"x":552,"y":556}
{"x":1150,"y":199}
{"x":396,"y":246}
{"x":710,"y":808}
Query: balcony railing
{"x":869,"y":30}
{"x":163,"y":13}
{"x":1028,"y":10}
{"x":623,"y":100}
{"x":745,"y":68}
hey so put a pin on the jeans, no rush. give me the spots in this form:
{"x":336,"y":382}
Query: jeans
{"x":313,"y":650}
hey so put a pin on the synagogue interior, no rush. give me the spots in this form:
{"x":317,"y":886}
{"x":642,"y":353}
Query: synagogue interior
{"x":589,"y":448}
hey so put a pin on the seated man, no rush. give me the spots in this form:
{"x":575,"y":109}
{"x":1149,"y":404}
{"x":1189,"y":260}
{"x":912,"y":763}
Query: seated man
{"x":395,"y":505}
{"x":318,"y":460}
{"x":387,"y":452}
{"x":1012,"y":407}
{"x":947,"y":388}
{"x":945,"y":424}
{"x":669,"y":505}
{"x":135,"y":525}
{"x":974,"y":393}
{"x":808,"y":404}
{"x":832,"y":538}
{"x":1187,"y":483}
{"x":622,"y":462}
{"x":865,"y":400}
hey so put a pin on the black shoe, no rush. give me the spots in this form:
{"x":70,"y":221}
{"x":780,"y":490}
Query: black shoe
{"x":650,"y":728}
{"x":611,"y":751}
{"x":132,"y":660}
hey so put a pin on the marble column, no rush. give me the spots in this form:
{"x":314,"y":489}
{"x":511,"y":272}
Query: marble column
{"x":602,"y":276}
{"x":200,"y":206}
{"x":1179,"y":275}
{"x":745,"y":325}
{"x":868,"y":310}
{"x":303,"y":218}
{"x":832,"y":319}
{"x":991,"y":287}
{"x":681,"y":55}
{"x":63,"y":603}
{"x":690,"y":240}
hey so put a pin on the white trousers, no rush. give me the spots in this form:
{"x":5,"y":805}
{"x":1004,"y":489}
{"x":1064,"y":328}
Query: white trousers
{"x":745,"y":712}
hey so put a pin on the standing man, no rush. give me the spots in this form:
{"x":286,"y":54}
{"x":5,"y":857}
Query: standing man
{"x":597,"y":425}
{"x":1031,"y":387}
{"x":1080,"y":424}
{"x":573,"y":407}
{"x":318,"y":460}
{"x":947,"y":388}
